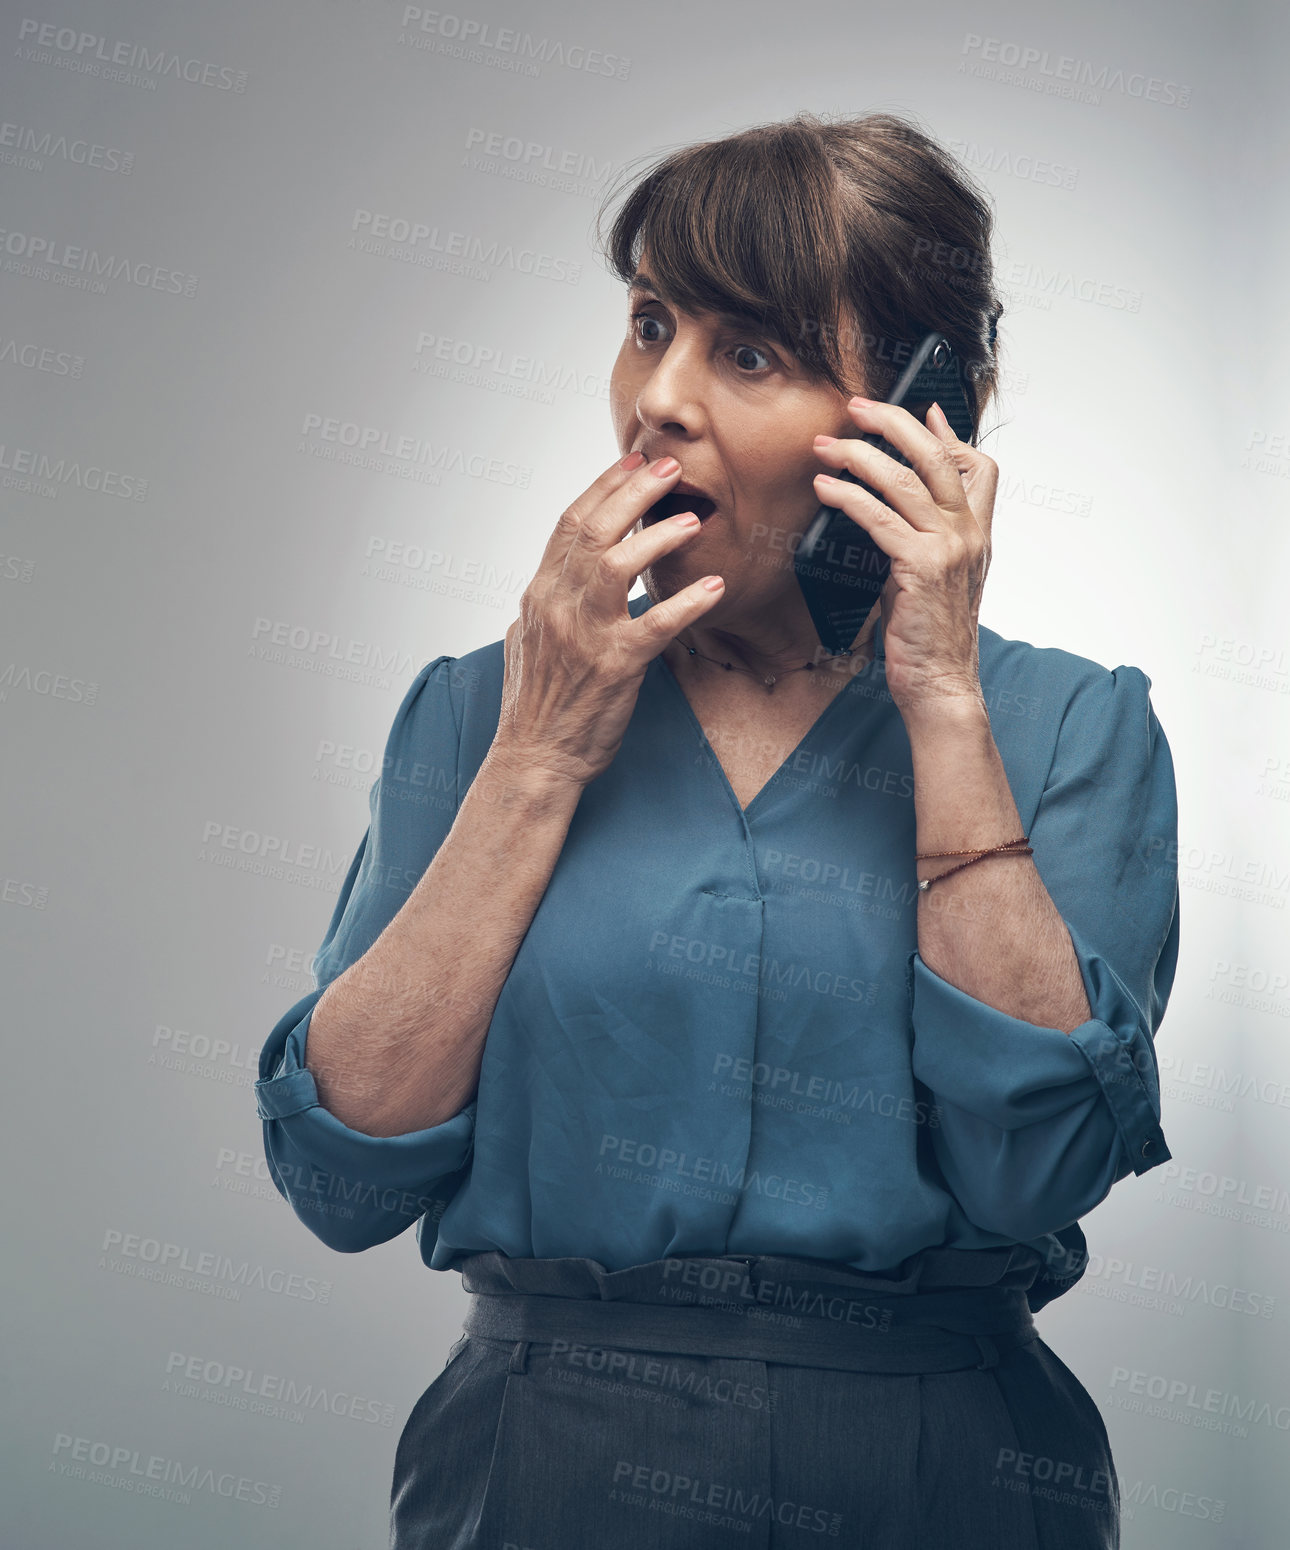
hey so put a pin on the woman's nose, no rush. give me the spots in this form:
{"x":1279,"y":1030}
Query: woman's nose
{"x":673,"y":393}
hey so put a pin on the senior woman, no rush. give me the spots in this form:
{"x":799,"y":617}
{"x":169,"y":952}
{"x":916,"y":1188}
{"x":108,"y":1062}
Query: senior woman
{"x":755,"y":1154}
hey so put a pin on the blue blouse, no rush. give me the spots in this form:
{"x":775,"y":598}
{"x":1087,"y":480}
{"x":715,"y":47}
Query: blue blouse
{"x":718,"y":1035}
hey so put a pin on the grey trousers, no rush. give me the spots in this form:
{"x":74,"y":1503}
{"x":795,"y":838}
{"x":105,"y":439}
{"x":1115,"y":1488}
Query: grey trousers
{"x":760,"y":1401}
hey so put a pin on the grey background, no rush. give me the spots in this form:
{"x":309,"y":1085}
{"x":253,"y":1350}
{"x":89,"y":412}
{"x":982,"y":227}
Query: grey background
{"x":153,"y":730}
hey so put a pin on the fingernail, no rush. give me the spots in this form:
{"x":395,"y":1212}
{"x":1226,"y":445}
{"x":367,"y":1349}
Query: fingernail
{"x":632,"y":460}
{"x":862,"y":401}
{"x":665,"y":466}
{"x":825,"y":441}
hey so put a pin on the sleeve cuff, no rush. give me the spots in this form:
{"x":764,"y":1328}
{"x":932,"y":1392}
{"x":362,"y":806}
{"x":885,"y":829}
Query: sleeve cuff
{"x":288,"y":1100}
{"x":1013,"y":1073}
{"x":1122,"y":1056}
{"x":1006,"y":1071}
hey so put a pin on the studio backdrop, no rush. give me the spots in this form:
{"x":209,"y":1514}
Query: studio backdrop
{"x":304,"y":347}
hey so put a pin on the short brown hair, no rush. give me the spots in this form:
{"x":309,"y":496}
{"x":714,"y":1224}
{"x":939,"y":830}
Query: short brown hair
{"x":861,"y":231}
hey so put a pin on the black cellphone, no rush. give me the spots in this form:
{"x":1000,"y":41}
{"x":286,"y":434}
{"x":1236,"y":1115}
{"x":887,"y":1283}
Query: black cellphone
{"x":840,"y":569}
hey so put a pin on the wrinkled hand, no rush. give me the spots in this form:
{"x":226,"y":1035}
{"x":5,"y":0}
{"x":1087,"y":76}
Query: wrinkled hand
{"x":575,"y":658}
{"x":938,"y":540}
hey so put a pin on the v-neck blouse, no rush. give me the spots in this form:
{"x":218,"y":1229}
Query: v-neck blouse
{"x":817,"y":729}
{"x":718,"y":1035}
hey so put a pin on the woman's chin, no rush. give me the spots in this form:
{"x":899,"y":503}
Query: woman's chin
{"x":672,"y":573}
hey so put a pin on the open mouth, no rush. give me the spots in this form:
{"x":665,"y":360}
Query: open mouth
{"x":672,"y":505}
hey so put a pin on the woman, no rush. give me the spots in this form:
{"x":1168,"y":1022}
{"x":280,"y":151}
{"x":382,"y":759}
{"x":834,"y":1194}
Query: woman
{"x":755,"y":1153}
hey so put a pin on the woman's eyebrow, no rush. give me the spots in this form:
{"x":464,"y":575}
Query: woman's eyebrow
{"x":642,"y":282}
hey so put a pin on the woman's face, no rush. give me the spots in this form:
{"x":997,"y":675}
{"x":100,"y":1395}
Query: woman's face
{"x":740,"y":414}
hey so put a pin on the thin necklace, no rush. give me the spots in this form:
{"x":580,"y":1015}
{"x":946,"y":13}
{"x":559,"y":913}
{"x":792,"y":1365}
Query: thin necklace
{"x":769,"y":679}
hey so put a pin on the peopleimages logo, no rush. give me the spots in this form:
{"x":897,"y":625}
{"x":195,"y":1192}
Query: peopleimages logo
{"x":1187,"y":1504}
{"x":1063,"y":74}
{"x":57,"y":686}
{"x":263,"y":1393}
{"x":374,"y":440}
{"x":736,"y":1281}
{"x":499,"y":369}
{"x":155,"y":1260}
{"x":67,"y":263}
{"x":470,"y":37}
{"x":126,"y":1468}
{"x":23,"y":145}
{"x":1165,"y":1282}
{"x":29,"y":468}
{"x":328,"y":655}
{"x":398,"y":236}
{"x":538,"y":154}
{"x":709,"y":1178}
{"x":40,"y":357}
{"x":89,"y":54}
{"x":758,"y":968}
{"x":1016,"y":164}
{"x":782,"y":1083}
{"x":1181,"y":1400}
{"x":694,"y":1497}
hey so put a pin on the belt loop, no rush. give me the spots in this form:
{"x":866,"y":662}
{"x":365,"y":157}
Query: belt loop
{"x":519,"y":1356}
{"x":989,"y":1352}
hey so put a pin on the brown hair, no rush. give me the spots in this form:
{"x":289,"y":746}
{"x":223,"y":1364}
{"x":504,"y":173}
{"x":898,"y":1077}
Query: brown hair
{"x":847,"y":241}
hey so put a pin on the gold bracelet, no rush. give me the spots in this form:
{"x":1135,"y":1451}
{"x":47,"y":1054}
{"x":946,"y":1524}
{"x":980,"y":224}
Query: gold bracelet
{"x":1010,"y":848}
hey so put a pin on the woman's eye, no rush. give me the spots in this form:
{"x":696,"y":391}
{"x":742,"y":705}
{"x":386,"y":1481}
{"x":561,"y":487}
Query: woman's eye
{"x":739,"y":352}
{"x":639,"y":318}
{"x":752,"y":349}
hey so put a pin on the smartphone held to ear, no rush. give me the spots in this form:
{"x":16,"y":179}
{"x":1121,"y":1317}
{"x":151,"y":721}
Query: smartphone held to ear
{"x":840,"y":569}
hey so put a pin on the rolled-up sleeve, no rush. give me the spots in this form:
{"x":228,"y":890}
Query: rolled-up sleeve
{"x":1037,"y":1125}
{"x":354,"y":1190}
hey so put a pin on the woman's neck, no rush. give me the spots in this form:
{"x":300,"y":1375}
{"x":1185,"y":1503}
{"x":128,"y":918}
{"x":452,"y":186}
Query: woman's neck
{"x":765,"y":653}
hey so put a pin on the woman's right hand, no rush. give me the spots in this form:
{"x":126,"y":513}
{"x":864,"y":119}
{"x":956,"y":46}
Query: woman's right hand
{"x":575,"y":658}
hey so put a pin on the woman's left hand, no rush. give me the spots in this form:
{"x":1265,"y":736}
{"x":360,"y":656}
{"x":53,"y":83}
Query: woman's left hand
{"x":938,"y":539}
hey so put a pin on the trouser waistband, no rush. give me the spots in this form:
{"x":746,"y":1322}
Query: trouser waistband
{"x":793,"y":1317}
